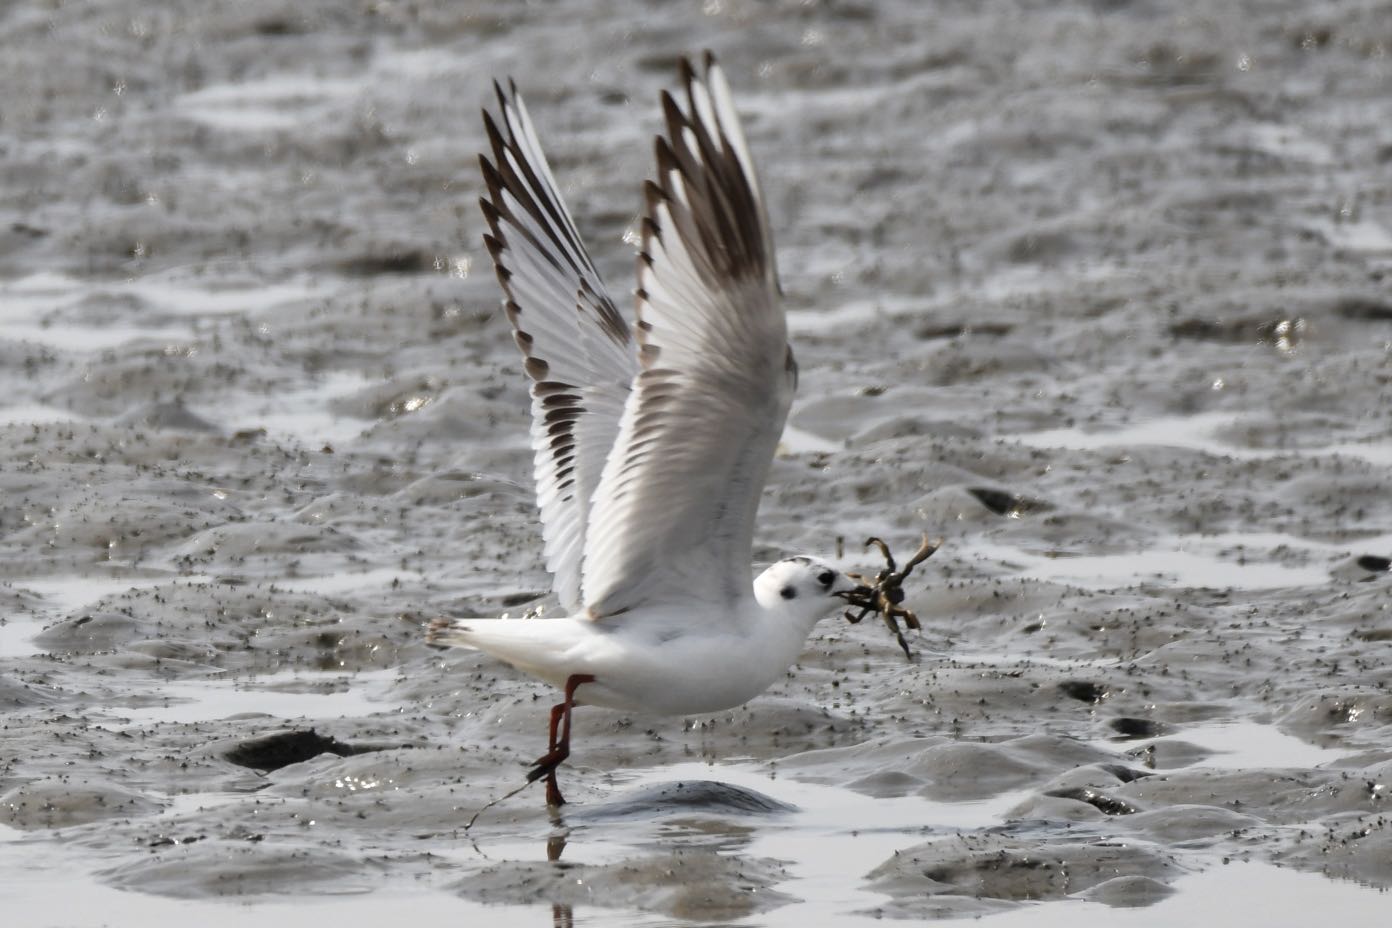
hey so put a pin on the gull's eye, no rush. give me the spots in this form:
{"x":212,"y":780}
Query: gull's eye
{"x":825,"y":578}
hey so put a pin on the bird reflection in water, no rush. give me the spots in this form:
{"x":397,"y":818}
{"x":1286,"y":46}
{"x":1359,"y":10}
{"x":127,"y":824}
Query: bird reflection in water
{"x":562,"y":915}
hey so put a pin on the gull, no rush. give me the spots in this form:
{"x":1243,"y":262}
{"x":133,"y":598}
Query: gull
{"x":651,"y":442}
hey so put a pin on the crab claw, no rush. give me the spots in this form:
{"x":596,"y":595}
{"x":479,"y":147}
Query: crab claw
{"x":925,"y":551}
{"x":861,"y":593}
{"x":884,"y":550}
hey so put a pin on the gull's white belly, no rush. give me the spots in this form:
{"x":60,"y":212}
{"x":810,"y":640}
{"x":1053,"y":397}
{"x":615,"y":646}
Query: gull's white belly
{"x":660,"y":664}
{"x":688,"y":675}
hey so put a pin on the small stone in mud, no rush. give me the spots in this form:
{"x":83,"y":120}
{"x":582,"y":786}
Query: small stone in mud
{"x":1375,"y":563}
{"x":1107,"y":805}
{"x":289,"y":747}
{"x":1030,"y":866}
{"x":405,"y":261}
{"x":1168,"y":753}
{"x":60,"y":802}
{"x":1084,"y":690}
{"x":174,"y":416}
{"x":1364,"y":309}
{"x":687,"y":797}
{"x":1282,"y":332}
{"x":1011,"y":505}
{"x":1129,"y":892}
{"x":1124,"y":773}
{"x":693,"y":884}
{"x":958,"y":329}
{"x":508,"y":600}
{"x":1128,"y":727}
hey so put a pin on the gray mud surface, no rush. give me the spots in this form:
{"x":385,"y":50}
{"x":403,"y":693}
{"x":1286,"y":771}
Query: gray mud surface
{"x":1098,"y":292}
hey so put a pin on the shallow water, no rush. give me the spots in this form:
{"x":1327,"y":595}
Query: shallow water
{"x":1198,"y":433}
{"x":1186,"y":563}
{"x":1097,"y":293}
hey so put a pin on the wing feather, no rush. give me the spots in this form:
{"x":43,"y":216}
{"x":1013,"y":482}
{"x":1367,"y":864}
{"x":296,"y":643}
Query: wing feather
{"x":576,"y":347}
{"x":673,"y":516}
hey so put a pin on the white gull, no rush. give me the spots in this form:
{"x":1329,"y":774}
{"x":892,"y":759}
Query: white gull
{"x":652,"y":443}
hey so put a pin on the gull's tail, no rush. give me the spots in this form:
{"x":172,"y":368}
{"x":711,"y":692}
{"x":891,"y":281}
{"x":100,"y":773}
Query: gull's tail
{"x":552,"y":649}
{"x":450,"y":633}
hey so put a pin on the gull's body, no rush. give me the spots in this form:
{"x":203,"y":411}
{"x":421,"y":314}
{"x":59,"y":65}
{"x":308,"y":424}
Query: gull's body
{"x":651,"y":443}
{"x":670,"y":660}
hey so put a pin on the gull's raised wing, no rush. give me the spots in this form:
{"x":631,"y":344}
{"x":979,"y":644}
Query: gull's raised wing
{"x":578,"y":349}
{"x":673,"y":518}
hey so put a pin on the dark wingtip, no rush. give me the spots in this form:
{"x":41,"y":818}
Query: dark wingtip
{"x":493,"y":181}
{"x":666,"y":159}
{"x":494,"y":244}
{"x":496,"y":143}
{"x":653,"y":192}
{"x":672,"y":114}
{"x":507,"y":98}
{"x":490,"y":216}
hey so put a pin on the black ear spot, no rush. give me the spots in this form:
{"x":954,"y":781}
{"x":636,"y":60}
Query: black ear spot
{"x":788,"y":592}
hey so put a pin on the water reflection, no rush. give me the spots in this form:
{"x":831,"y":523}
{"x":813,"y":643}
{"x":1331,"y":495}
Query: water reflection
{"x":562,"y":914}
{"x":681,"y":849}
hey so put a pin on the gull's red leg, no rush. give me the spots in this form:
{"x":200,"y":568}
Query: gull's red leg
{"x":559,"y":748}
{"x":553,"y":749}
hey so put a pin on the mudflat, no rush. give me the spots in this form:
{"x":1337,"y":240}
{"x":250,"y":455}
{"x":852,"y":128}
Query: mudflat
{"x":1097,"y":292}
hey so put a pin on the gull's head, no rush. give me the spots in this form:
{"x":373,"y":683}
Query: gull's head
{"x":804,"y":587}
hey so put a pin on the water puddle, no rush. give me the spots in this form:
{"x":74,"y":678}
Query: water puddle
{"x":801,"y":441}
{"x":837,"y":836}
{"x":1240,"y":745}
{"x":17,"y":636}
{"x":1217,"y":562}
{"x":302,"y":415}
{"x":65,"y":595}
{"x":1289,"y":142}
{"x":828,"y":843}
{"x":338,"y":584}
{"x":86,"y":338}
{"x":1362,"y":235}
{"x":1017,"y":282}
{"x":277,"y":102}
{"x":293,"y":696}
{"x":31,"y":307}
{"x":1195,"y":433}
{"x":854,"y":314}
{"x":1235,"y":895}
{"x":40,"y":888}
{"x":34,"y":414}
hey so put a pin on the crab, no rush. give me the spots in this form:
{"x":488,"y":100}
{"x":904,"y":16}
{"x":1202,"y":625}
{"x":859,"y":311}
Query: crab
{"x":883,"y":594}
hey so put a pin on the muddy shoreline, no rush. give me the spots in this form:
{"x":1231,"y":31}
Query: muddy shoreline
{"x":1098,"y":292}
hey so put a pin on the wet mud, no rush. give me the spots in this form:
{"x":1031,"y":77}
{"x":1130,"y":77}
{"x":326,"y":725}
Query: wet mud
{"x":1096,"y":292}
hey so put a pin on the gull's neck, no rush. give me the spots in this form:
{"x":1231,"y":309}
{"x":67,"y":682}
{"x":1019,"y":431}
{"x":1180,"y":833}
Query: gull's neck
{"x":783,"y":627}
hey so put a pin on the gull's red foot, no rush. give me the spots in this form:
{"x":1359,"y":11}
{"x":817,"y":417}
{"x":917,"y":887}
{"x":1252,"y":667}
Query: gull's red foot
{"x":559,"y":741}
